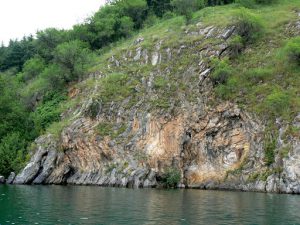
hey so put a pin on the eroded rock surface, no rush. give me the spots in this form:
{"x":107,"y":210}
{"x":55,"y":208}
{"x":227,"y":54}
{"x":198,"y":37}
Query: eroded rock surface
{"x":214,"y":145}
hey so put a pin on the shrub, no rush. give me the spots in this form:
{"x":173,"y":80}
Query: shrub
{"x":109,"y":129}
{"x":33,"y":67}
{"x":151,"y":20}
{"x":54,"y":76}
{"x":105,"y":129}
{"x":225,"y":91}
{"x":249,"y":27}
{"x":73,"y":57}
{"x":270,"y":146}
{"x":48,"y":112}
{"x":284,"y":151}
{"x":252,"y":3}
{"x":116,"y":87}
{"x":169,"y":15}
{"x":12,"y":153}
{"x":277,"y":103}
{"x":161,"y":103}
{"x":93,"y":109}
{"x":246,"y":3}
{"x":292,"y":51}
{"x":258,"y":75}
{"x":217,"y":2}
{"x":172,"y":177}
{"x":266,"y":1}
{"x":160,"y":82}
{"x":187,"y":7}
{"x":222,"y":71}
{"x":236,"y":46}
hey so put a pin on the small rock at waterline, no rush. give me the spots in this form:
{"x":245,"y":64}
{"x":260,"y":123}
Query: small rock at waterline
{"x":11,"y":178}
{"x":2,"y":180}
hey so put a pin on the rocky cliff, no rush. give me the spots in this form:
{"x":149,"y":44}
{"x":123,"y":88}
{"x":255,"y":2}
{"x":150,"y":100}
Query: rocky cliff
{"x":161,"y":114}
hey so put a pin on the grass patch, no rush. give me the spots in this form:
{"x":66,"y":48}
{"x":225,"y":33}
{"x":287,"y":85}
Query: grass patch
{"x":110,"y":129}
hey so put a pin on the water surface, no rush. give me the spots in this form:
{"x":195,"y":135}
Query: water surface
{"x":95,"y":205}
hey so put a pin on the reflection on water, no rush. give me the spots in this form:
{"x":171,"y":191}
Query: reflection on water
{"x":95,"y":205}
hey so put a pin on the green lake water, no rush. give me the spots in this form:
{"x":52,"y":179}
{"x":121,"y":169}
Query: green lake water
{"x":95,"y":205}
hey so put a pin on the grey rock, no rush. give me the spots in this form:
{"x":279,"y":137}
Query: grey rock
{"x":2,"y":179}
{"x":138,"y":40}
{"x":11,"y":178}
{"x":228,"y":33}
{"x":272,"y":183}
{"x":45,"y":148}
{"x":155,"y":58}
{"x":28,"y":174}
{"x":47,"y":167}
{"x":138,"y":54}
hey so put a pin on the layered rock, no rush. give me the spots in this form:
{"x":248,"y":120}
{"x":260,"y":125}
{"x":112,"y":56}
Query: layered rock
{"x":11,"y":178}
{"x":213,"y":145}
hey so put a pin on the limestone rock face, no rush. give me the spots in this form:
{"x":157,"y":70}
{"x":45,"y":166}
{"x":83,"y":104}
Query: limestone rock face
{"x":213,"y":144}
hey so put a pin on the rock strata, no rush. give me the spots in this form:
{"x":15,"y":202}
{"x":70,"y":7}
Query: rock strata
{"x":211,"y":144}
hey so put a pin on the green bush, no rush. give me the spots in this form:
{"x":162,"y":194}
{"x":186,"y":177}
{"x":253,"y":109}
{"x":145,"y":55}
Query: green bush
{"x":160,"y":82}
{"x":172,"y":177}
{"x":12,"y":153}
{"x":269,"y":147}
{"x":73,"y":57}
{"x":116,"y":87}
{"x":277,"y":103}
{"x":93,"y":109}
{"x":33,"y":67}
{"x":246,"y":3}
{"x":222,"y":71}
{"x":105,"y":129}
{"x":225,"y":91}
{"x":258,"y":75}
{"x":235,"y":46}
{"x":48,"y":111}
{"x":248,"y":26}
{"x":266,"y":1}
{"x":54,"y":77}
{"x":187,"y":7}
{"x":292,"y":51}
{"x":111,"y":129}
{"x":253,"y":3}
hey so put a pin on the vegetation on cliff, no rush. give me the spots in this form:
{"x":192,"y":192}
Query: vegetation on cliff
{"x":261,"y":73}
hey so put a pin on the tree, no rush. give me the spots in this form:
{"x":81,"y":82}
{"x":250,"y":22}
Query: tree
{"x":16,"y":53}
{"x":48,"y":40}
{"x":12,"y":153}
{"x":218,"y":2}
{"x":135,"y":9}
{"x":187,"y":7}
{"x":159,"y":7}
{"x":33,"y":67}
{"x":13,"y":115}
{"x":72,"y":57}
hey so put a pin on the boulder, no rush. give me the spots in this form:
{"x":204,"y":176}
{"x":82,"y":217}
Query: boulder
{"x":2,"y":180}
{"x":28,"y":174}
{"x":11,"y":178}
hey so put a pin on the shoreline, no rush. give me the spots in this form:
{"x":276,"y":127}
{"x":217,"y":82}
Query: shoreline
{"x":156,"y":188}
